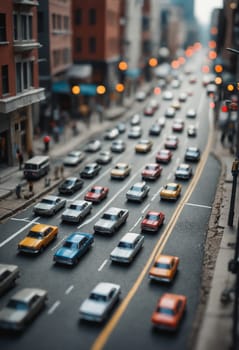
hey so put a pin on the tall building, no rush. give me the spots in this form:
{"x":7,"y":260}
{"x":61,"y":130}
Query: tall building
{"x":20,"y":93}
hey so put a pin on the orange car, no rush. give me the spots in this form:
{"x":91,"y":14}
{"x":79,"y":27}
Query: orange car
{"x":164,"y":268}
{"x":169,"y":311}
{"x":38,"y":238}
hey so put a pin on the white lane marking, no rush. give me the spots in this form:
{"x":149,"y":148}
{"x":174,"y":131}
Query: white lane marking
{"x":156,"y":194}
{"x":58,"y":243}
{"x":136,"y":223}
{"x":145,"y":208}
{"x":53,"y":308}
{"x":177,"y":160}
{"x":102,"y":265}
{"x":198,"y":205}
{"x":169,"y":176}
{"x":69,"y":289}
{"x":24,"y":219}
{"x":34,"y":221}
{"x":108,"y":202}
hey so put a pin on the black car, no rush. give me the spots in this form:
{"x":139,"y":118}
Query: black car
{"x":155,"y":130}
{"x":70,"y":185}
{"x":90,"y":170}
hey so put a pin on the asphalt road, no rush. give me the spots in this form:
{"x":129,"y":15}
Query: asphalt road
{"x":183,"y":234}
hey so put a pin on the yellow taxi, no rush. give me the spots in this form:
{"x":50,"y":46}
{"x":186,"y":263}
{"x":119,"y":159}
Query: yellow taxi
{"x":39,"y":236}
{"x":164,"y":268}
{"x":120,"y":171}
{"x":171,"y":191}
{"x":143,"y":146}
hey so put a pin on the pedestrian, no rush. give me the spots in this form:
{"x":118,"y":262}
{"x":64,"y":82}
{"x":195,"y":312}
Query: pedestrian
{"x":30,"y":186}
{"x":18,"y":191}
{"x":62,"y":171}
{"x":46,"y":141}
{"x":56,"y":172}
{"x":20,"y":159}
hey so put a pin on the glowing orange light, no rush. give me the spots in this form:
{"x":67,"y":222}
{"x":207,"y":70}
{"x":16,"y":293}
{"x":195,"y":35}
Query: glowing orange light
{"x":212,"y":44}
{"x":100,"y":89}
{"x":157,"y":90}
{"x":218,"y":68}
{"x":214,"y":30}
{"x":153,"y":62}
{"x":119,"y":87}
{"x":230,"y":87}
{"x":205,"y":69}
{"x":75,"y":90}
{"x":197,"y":46}
{"x":218,"y":80}
{"x":189,"y":51}
{"x":181,"y":60}
{"x":175,"y":64}
{"x":123,"y":65}
{"x":212,"y":55}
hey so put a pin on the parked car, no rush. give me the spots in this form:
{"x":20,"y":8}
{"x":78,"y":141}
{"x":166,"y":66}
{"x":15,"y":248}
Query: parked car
{"x":93,"y":146}
{"x":164,"y":156}
{"x":135,"y":132}
{"x":75,"y":245}
{"x":91,"y":170}
{"x":73,"y":158}
{"x":164,"y":268}
{"x":97,"y":194}
{"x":111,"y":220}
{"x":192,"y":154}
{"x":70,"y":185}
{"x":151,"y":171}
{"x":138,"y":192}
{"x":118,"y":146}
{"x":104,"y":157}
{"x":152,"y":221}
{"x":8,"y":276}
{"x":21,"y":308}
{"x":183,"y":171}
{"x":111,"y":134}
{"x":49,"y":205}
{"x":169,"y":311}
{"x":38,"y":238}
{"x":120,"y":171}
{"x":100,"y":302}
{"x":171,"y":191}
{"x":77,"y":211}
{"x":171,"y":142}
{"x":143,"y":146}
{"x":127,"y":248}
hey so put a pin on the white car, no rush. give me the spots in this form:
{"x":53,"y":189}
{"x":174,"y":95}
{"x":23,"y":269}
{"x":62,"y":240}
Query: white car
{"x":140,"y":96}
{"x":129,"y":245}
{"x":138,"y":192}
{"x":49,"y":205}
{"x":73,"y":158}
{"x":111,"y":220}
{"x":8,"y":276}
{"x":183,"y":172}
{"x":100,"y":302}
{"x":111,"y":134}
{"x":118,"y":146}
{"x":77,"y":211}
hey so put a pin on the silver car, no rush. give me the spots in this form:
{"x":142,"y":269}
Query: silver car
{"x":183,"y":171}
{"x":73,"y":158}
{"x":100,"y":302}
{"x":129,"y":245}
{"x":138,"y":192}
{"x":22,"y":307}
{"x":49,"y":205}
{"x":77,"y":211}
{"x":8,"y":276}
{"x":111,"y":220}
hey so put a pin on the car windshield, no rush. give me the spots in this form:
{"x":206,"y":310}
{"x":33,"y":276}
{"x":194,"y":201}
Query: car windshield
{"x":17,"y":305}
{"x":89,"y":168}
{"x":47,"y":201}
{"x":164,"y":153}
{"x":34,"y":234}
{"x":68,"y":182}
{"x":70,"y":245}
{"x":96,"y":190}
{"x":152,"y":217}
{"x":98,"y":297}
{"x":165,"y":310}
{"x":136,"y":189}
{"x":171,"y":187}
{"x":150,"y":167}
{"x":161,"y":265}
{"x":120,"y":167}
{"x":109,"y":217}
{"x":75,"y":207}
{"x":144,"y":142}
{"x":125,"y":245}
{"x":72,"y":155}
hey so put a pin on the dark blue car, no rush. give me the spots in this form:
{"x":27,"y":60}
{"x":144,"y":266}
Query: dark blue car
{"x":73,"y":248}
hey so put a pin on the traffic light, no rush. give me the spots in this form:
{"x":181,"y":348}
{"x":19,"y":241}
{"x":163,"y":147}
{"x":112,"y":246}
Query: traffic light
{"x":218,"y":68}
{"x":75,"y":89}
{"x":233,"y":87}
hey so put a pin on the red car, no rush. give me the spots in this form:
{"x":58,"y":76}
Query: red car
{"x":97,"y":194}
{"x":169,"y":311}
{"x":149,"y":110}
{"x":178,"y":125}
{"x":152,"y":221}
{"x":151,"y":171}
{"x":164,"y":156}
{"x":171,"y":142}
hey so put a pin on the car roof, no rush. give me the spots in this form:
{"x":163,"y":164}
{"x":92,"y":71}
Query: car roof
{"x":103,"y":288}
{"x":151,"y":212}
{"x":129,"y":237}
{"x":183,"y":165}
{"x":168,"y":300}
{"x":76,"y":237}
{"x":7,"y":267}
{"x":139,"y":184}
{"x":121,"y":164}
{"x":51,"y":197}
{"x":113,"y":210}
{"x":72,"y":178}
{"x":191,"y":148}
{"x":40,"y":227}
{"x":97,"y":187}
{"x":26,"y":294}
{"x":79,"y":202}
{"x":165,"y":259}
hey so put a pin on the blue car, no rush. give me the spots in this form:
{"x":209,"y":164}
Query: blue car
{"x":73,"y":248}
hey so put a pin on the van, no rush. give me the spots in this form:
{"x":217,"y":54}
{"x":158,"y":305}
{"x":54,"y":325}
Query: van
{"x":36,"y":167}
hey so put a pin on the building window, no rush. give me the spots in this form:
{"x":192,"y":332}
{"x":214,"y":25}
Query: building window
{"x":78,"y":45}
{"x":92,"y":16}
{"x":59,"y":22}
{"x":66,"y":56}
{"x":3,"y":35}
{"x":24,"y":75}
{"x":5,"y":81}
{"x":78,"y":16}
{"x":22,"y":26}
{"x":56,"y":58}
{"x":66,"y":22}
{"x":54,"y":21}
{"x":92,"y":45}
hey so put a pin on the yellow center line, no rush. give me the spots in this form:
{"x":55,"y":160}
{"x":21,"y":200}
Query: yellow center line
{"x":108,"y":329}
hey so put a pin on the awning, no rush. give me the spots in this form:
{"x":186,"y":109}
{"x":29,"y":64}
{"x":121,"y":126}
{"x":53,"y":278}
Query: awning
{"x":133,"y":73}
{"x":79,"y":71}
{"x":63,"y":87}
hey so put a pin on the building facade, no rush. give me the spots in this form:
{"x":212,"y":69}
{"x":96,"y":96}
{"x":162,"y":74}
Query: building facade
{"x":20,"y":93}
